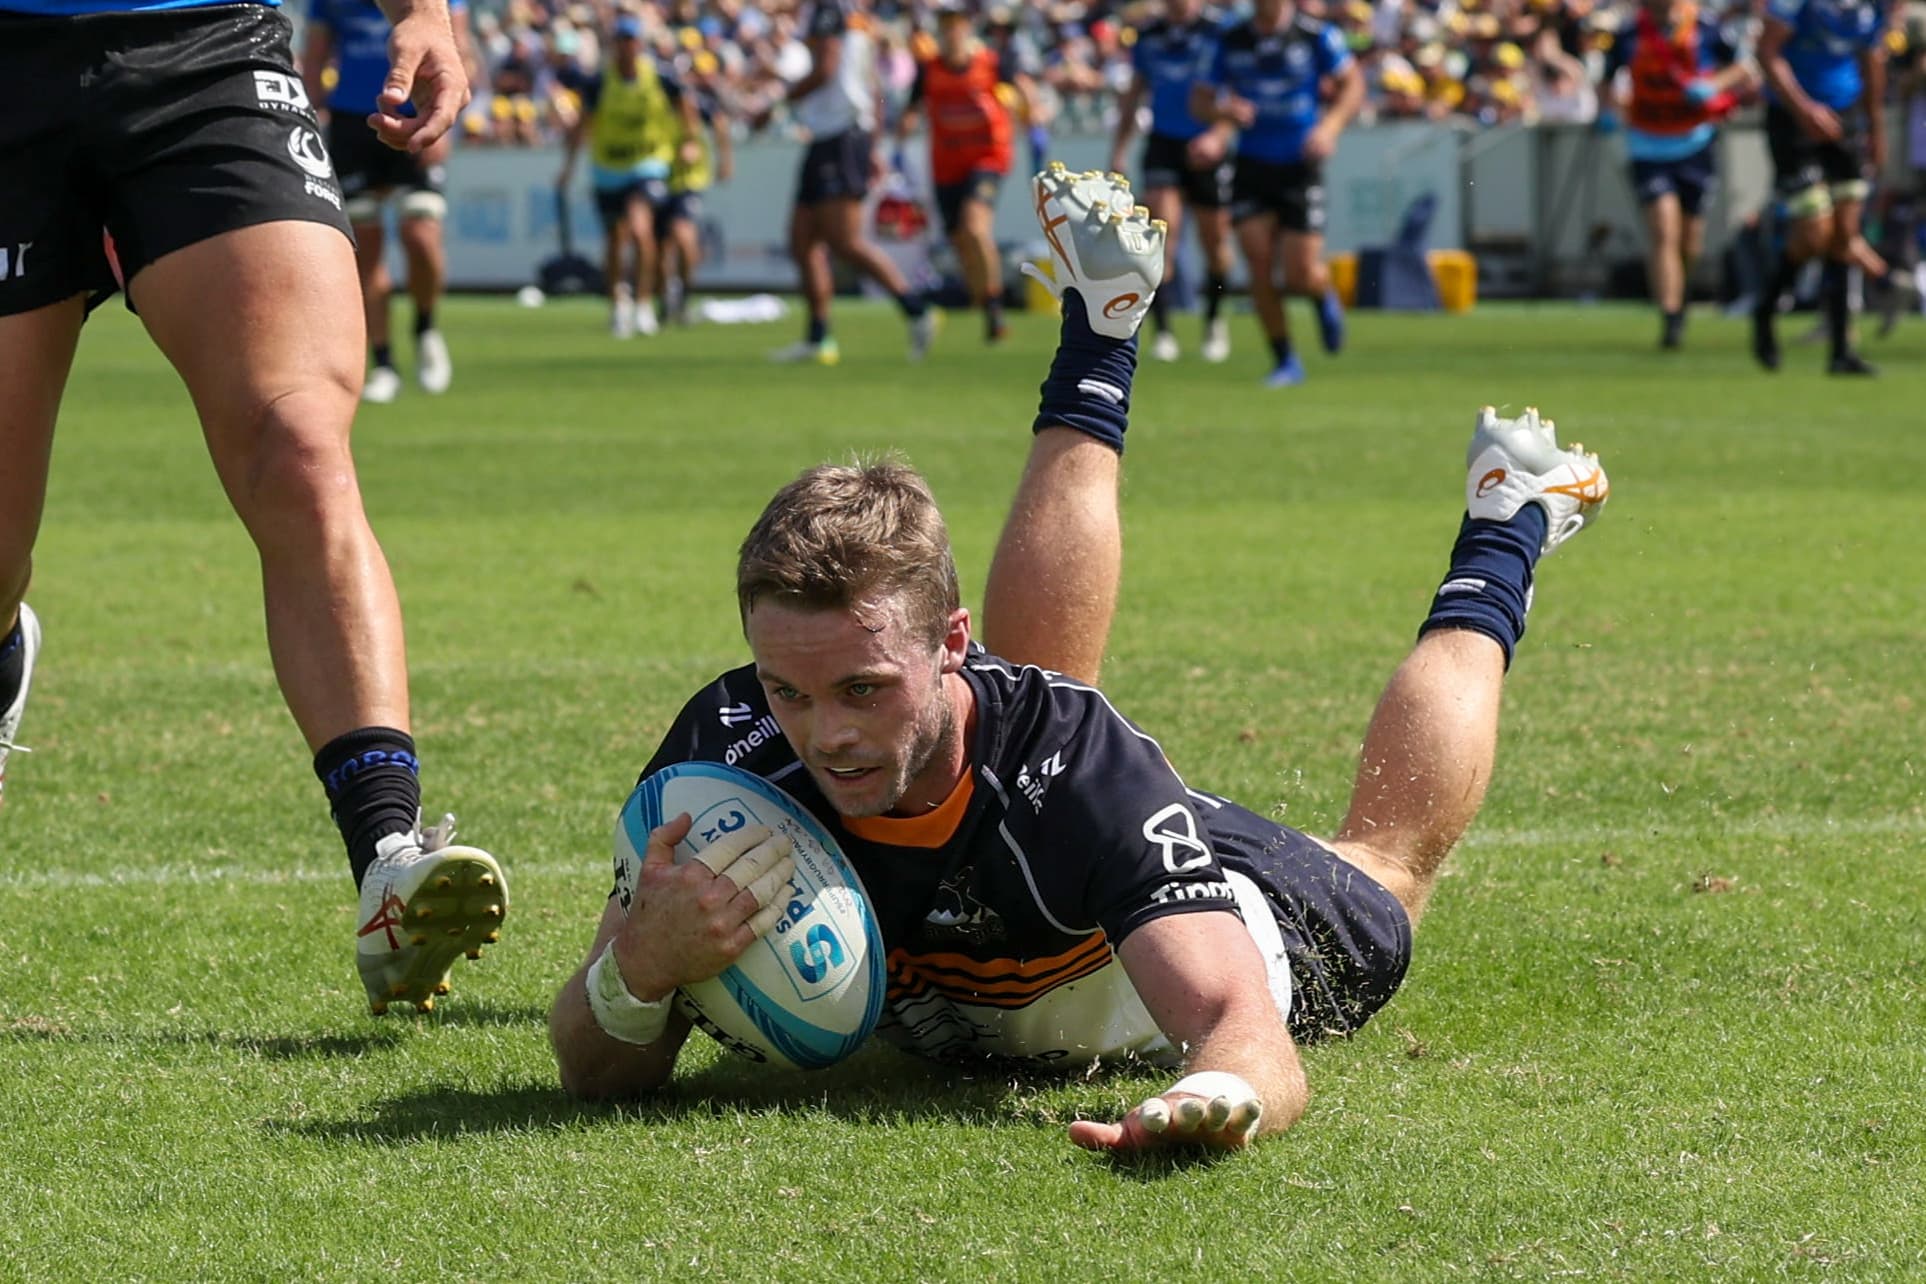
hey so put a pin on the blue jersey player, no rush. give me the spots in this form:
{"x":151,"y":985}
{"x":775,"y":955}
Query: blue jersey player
{"x":1267,"y":83}
{"x":168,"y":147}
{"x":1170,"y":56}
{"x":352,"y":36}
{"x":1048,"y":888}
{"x":1824,"y":63}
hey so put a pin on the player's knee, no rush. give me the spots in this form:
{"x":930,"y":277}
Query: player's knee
{"x":296,"y":470}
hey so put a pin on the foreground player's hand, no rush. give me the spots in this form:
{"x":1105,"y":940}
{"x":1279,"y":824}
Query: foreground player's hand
{"x":691,"y":921}
{"x":424,"y":70}
{"x":1213,"y":1110}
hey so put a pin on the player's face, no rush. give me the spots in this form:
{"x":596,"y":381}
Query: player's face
{"x":953,"y":34}
{"x":864,"y":702}
{"x":1182,"y":11}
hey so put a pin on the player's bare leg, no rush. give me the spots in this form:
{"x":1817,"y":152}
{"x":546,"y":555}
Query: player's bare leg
{"x":383,"y":382}
{"x":1665,"y":263}
{"x":1214,"y":234}
{"x":253,"y":321}
{"x":36,"y":352}
{"x":840,"y":224}
{"x":1305,"y":275}
{"x":421,"y":240}
{"x":975,"y":244}
{"x":1257,"y":237}
{"x":1428,"y":752}
{"x":1052,"y":589}
{"x":811,"y":256}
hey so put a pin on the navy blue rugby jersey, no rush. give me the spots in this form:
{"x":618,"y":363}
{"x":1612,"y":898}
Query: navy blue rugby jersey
{"x":1279,"y":72}
{"x":1000,"y":910}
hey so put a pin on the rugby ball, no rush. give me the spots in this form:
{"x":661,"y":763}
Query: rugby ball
{"x":810,"y":991}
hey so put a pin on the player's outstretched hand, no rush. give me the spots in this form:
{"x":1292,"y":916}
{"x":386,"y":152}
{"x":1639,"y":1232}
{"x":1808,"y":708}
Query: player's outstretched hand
{"x":1103,"y":245}
{"x":1213,"y":1110}
{"x":424,"y":68}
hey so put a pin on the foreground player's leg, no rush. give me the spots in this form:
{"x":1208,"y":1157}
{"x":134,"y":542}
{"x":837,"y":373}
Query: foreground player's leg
{"x":1847,"y":250}
{"x":421,"y":213}
{"x":1053,"y":581}
{"x":36,"y":351}
{"x":1428,"y":754}
{"x":276,"y":397}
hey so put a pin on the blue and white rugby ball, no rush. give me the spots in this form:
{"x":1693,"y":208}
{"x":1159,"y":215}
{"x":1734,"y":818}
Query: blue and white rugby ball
{"x":809,"y":992}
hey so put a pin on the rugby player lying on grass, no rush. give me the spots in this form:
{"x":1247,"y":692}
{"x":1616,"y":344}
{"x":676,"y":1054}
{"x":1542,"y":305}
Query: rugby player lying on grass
{"x":1047,"y":886}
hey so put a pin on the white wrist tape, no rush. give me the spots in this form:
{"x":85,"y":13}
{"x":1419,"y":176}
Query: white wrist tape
{"x":621,"y":1015}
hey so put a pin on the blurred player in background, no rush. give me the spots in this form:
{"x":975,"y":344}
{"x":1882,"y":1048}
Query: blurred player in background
{"x":1262,"y":84}
{"x":960,"y":89}
{"x":186,"y":132}
{"x":1824,"y":63}
{"x":352,"y":37}
{"x":1681,"y":78}
{"x":1171,"y":55}
{"x":1048,"y":888}
{"x":839,"y":102}
{"x":1903,"y":222}
{"x":702,"y":158}
{"x":636,"y":119}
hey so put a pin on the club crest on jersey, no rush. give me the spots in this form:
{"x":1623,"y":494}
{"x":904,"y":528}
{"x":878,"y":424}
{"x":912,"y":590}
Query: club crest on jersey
{"x":957,"y":915}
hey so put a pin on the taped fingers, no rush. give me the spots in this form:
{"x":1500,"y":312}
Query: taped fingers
{"x":722,"y":853}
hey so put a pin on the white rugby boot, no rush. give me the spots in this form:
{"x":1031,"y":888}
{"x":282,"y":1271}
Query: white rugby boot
{"x":1103,"y":245}
{"x":383,"y":385}
{"x":10,"y":716}
{"x":433,"y":368}
{"x":1165,"y":347}
{"x":1514,"y":462}
{"x":423,"y":903}
{"x":1217,"y":342}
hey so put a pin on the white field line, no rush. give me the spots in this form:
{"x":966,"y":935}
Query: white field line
{"x":1770,"y":827}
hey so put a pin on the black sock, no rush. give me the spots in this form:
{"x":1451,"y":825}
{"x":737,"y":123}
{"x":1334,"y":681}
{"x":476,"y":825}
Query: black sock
{"x":424,"y":321}
{"x":374,"y":789}
{"x":993,"y":312}
{"x":818,"y":330}
{"x":1834,"y":298}
{"x":914,"y":303}
{"x":13,"y":664}
{"x":384,"y":355}
{"x":1281,"y":349}
{"x":1214,"y":287}
{"x":1160,"y":312}
{"x":1784,"y":277}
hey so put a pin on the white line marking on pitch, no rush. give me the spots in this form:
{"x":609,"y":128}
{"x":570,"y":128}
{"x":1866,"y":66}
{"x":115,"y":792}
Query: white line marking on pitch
{"x":1767,"y":827}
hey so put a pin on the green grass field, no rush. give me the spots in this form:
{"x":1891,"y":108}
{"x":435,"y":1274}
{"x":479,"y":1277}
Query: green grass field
{"x":1664,"y":1020}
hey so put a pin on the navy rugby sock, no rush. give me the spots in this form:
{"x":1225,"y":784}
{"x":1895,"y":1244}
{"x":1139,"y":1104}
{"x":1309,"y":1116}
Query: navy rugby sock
{"x":373,"y":780}
{"x":1281,"y":349}
{"x":1160,"y":311}
{"x":13,"y":664}
{"x":1089,"y":383}
{"x":384,"y":355}
{"x":1488,"y":589}
{"x":818,"y":330}
{"x":424,"y":321}
{"x":914,"y":303}
{"x":1214,"y":287}
{"x":1835,"y":298}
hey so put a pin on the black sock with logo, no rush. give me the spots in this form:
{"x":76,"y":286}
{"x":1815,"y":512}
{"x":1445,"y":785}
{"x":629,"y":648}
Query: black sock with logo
{"x":373,"y":780}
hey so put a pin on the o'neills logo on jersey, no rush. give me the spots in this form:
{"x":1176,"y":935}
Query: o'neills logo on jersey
{"x":764,"y":730}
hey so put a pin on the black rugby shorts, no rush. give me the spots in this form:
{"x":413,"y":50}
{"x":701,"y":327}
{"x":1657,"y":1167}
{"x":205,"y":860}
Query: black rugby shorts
{"x":163,"y":128}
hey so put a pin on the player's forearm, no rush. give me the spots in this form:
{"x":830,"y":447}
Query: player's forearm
{"x":1350,"y":100}
{"x":1127,"y":108}
{"x":596,"y":1067}
{"x":1778,"y":74}
{"x":1263,"y":1057}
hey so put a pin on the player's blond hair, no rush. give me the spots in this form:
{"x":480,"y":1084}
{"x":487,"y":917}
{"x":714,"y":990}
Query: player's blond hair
{"x":845,"y":534}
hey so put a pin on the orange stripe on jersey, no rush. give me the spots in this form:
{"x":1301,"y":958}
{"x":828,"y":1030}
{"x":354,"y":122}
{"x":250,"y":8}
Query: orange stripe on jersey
{"x":931,"y":829}
{"x":1009,"y":983}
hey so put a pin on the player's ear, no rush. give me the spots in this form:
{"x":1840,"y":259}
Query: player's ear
{"x":956,"y":640}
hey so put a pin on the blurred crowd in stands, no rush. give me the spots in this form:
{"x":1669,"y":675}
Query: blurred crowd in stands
{"x":1489,"y":61}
